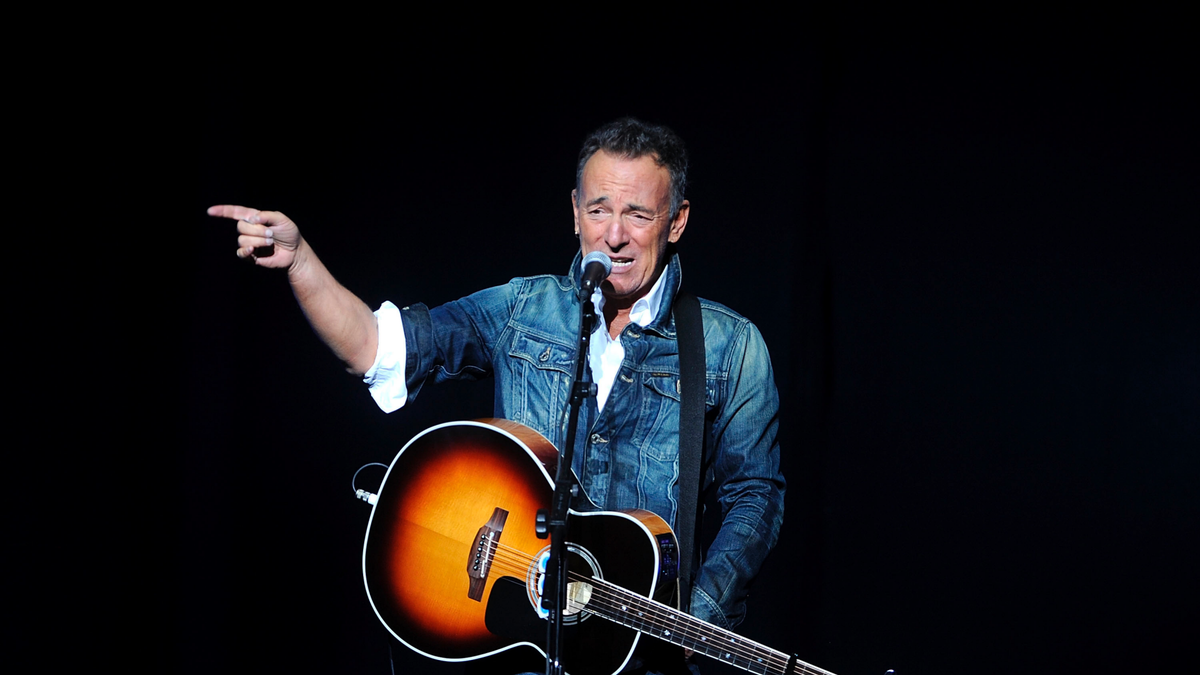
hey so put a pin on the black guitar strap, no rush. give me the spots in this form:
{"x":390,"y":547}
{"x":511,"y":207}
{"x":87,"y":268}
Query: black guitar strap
{"x":689,"y":327}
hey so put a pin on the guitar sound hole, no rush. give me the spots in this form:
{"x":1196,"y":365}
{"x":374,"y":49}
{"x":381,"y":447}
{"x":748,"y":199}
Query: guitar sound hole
{"x":581,"y":563}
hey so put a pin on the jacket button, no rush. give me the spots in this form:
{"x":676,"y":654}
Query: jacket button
{"x":545,"y":356}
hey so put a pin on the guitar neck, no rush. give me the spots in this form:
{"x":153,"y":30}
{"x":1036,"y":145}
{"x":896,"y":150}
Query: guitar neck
{"x":667,"y":623}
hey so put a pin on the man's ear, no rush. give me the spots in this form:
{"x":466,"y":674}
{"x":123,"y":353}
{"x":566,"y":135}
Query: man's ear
{"x":678,"y":225}
{"x":575,"y":210}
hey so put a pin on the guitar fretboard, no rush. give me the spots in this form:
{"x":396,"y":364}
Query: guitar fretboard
{"x":667,"y":623}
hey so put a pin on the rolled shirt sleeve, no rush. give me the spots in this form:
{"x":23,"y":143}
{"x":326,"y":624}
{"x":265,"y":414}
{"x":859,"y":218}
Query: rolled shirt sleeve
{"x":386,"y":378}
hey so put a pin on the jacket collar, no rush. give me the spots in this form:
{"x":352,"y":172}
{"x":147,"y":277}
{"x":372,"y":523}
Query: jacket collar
{"x":664,"y":321}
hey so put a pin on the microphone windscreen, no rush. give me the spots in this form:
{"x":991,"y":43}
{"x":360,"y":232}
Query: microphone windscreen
{"x":597,"y":256}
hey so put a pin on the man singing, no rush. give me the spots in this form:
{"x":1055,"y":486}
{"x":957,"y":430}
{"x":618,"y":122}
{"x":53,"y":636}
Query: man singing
{"x":628,"y":203}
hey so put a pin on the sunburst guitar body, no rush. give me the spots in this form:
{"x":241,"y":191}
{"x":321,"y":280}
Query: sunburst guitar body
{"x":453,"y":565}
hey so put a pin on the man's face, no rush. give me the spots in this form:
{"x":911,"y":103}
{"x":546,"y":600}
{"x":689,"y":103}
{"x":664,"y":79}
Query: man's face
{"x":624,"y":212}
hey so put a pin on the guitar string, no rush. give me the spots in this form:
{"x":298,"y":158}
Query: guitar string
{"x":772,"y":657}
{"x":693,"y":629}
{"x":617,"y":597}
{"x":754,"y":654}
{"x":519,"y":562}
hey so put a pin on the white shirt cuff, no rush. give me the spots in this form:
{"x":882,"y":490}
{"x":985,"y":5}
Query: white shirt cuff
{"x":386,"y":376}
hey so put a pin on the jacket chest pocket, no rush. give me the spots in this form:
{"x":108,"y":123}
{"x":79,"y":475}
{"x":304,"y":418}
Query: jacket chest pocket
{"x":658,"y":413}
{"x":538,"y":383}
{"x":661,"y":394}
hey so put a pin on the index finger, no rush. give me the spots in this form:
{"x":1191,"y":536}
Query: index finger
{"x":235,"y":212}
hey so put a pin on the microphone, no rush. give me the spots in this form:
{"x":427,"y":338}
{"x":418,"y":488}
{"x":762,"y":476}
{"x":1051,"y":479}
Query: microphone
{"x":596,"y":267}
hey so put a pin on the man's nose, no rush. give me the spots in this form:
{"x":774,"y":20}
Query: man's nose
{"x":616,"y":235}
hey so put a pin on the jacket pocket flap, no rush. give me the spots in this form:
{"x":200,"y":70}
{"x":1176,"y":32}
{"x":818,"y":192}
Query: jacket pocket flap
{"x":542,"y":353}
{"x":667,"y":384}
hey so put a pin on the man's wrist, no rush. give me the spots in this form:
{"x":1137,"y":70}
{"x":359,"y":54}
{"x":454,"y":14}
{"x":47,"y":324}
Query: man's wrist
{"x":299,"y":269}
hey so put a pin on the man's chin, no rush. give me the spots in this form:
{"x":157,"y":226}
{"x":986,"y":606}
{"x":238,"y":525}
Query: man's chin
{"x":621,"y":296}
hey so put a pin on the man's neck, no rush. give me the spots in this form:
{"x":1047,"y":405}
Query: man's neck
{"x":616,"y":318}
{"x":620,"y":312}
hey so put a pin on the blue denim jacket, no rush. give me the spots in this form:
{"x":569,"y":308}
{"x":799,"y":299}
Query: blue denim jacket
{"x":525,"y":333}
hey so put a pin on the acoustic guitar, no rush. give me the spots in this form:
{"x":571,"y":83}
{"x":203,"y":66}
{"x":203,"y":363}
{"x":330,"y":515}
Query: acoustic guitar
{"x":453,"y":565}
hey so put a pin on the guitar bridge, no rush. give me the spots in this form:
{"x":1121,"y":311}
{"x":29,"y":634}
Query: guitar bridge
{"x":481,"y":555}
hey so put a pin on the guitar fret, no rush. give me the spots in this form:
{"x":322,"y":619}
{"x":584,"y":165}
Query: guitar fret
{"x":666,"y":623}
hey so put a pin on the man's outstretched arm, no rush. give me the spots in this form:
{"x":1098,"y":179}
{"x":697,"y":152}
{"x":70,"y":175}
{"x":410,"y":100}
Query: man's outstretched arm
{"x":340,"y":318}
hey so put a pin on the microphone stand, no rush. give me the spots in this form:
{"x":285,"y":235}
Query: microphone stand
{"x":554,"y":588}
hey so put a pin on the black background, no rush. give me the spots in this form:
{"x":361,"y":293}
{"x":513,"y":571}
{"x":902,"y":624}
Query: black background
{"x":973,"y":259}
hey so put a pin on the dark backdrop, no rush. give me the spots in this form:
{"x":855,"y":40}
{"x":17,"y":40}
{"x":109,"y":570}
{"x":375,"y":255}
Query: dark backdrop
{"x":973,"y":260}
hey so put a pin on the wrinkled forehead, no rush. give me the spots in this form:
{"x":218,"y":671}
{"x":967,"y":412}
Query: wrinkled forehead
{"x":640,"y":178}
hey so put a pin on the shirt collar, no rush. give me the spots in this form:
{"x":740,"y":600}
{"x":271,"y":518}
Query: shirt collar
{"x":644,"y":309}
{"x":662,"y":292}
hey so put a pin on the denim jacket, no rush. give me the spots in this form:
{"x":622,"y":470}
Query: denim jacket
{"x":524,"y":333}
